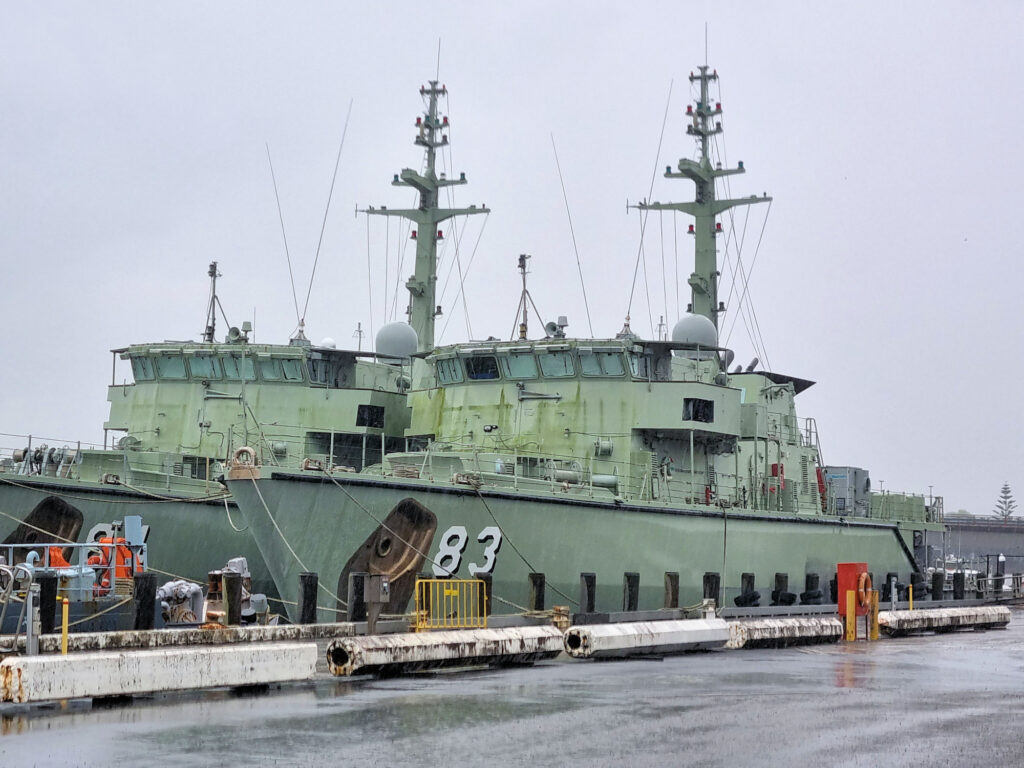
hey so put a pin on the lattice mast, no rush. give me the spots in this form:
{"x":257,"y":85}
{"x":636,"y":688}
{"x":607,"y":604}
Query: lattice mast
{"x":422,"y":285}
{"x":705,"y":207}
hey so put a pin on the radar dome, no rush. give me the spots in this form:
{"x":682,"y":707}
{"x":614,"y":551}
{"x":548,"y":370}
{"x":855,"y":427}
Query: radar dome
{"x":695,"y":329}
{"x":397,"y":340}
{"x":328,"y":343}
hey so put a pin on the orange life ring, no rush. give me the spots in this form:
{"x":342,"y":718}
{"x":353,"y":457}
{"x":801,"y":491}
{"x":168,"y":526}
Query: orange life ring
{"x":864,"y":590}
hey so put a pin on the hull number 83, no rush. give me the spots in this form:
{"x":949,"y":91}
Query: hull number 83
{"x":453,"y":546}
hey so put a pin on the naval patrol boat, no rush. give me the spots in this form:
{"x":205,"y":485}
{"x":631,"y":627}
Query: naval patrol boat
{"x":188,"y":407}
{"x":561,"y":456}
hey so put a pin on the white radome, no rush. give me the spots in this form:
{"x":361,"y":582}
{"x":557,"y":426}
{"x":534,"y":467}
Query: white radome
{"x":397,"y":340}
{"x":328,"y":343}
{"x":695,"y":329}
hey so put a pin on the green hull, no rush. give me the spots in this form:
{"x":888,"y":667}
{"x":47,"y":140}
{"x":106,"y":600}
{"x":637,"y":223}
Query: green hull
{"x":323,"y":523}
{"x":186,"y":538}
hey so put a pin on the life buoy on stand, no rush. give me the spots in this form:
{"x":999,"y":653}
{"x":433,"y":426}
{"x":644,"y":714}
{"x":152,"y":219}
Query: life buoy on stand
{"x":864,"y":591}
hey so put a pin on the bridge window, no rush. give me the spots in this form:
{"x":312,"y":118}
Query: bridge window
{"x":239,"y":368}
{"x":270,"y":370}
{"x":204,"y":367}
{"x":449,"y":371}
{"x":142,"y":369}
{"x":640,"y":366}
{"x":519,"y":365}
{"x":170,"y":367}
{"x":557,"y":364}
{"x":481,"y":368}
{"x":696,"y":409}
{"x":292,"y":369}
{"x":601,"y":364}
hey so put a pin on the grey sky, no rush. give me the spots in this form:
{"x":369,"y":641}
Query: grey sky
{"x":132,"y":154}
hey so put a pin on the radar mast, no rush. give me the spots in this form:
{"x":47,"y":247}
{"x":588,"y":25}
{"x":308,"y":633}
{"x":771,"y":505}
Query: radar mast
{"x":705,"y":207}
{"x":422,"y":285}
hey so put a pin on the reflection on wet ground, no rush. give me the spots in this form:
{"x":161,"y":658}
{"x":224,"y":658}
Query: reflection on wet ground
{"x":926,"y":701}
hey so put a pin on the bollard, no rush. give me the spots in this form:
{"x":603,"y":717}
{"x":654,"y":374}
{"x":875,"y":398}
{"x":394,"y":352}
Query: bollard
{"x":851,"y":616}
{"x":48,"y":602}
{"x":712,"y":584}
{"x":144,"y":594}
{"x":959,"y":585}
{"x":671,"y":589}
{"x":232,"y":598}
{"x":938,"y":584}
{"x":918,"y":585}
{"x":356,"y":610}
{"x":630,"y":591}
{"x":536,"y":601}
{"x":781,"y":594}
{"x":588,"y":586}
{"x":64,"y":605}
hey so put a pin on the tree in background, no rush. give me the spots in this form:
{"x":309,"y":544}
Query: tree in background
{"x":1005,"y":505}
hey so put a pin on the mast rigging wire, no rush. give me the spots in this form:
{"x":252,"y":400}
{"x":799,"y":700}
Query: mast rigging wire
{"x":572,"y":232}
{"x":287,"y":254}
{"x":327,"y":209}
{"x":650,"y":191}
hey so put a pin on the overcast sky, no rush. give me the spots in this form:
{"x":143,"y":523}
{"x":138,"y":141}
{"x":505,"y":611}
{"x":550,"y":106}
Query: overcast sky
{"x":132,"y":153}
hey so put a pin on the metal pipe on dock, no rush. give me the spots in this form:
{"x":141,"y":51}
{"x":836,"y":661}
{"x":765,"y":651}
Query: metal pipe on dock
{"x":784,"y":632}
{"x":399,"y":654}
{"x":597,"y":641}
{"x":895,"y":623}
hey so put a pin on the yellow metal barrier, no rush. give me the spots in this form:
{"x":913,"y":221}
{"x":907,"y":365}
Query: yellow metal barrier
{"x":450,"y":604}
{"x":873,"y":616}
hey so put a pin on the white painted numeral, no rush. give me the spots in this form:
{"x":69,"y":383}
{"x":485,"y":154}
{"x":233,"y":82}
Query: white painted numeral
{"x":491,"y":533}
{"x":449,"y":555}
{"x":453,"y":546}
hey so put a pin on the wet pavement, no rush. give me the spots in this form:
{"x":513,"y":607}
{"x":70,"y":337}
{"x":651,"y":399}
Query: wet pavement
{"x":946,"y":700}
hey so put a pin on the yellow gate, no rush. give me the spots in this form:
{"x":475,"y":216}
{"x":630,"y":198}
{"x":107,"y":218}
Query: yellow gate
{"x":450,"y":604}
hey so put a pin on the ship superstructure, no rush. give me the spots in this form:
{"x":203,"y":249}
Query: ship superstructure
{"x":593,"y":455}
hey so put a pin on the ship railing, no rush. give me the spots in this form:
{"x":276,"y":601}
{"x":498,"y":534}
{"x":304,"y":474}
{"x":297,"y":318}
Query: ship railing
{"x":34,"y":455}
{"x":78,"y":578}
{"x":10,"y":577}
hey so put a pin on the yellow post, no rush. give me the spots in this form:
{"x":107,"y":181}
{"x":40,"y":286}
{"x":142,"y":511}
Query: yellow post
{"x":64,"y":627}
{"x":851,"y":616}
{"x":910,"y":593}
{"x":873,"y":615}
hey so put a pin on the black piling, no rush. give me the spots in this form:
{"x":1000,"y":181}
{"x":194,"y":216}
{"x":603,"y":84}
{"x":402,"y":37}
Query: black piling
{"x":630,"y":591}
{"x":959,"y":585}
{"x":833,"y":590}
{"x":748,"y":596}
{"x":144,"y":593}
{"x":671,"y":589}
{"x":47,"y":602}
{"x":537,"y":588}
{"x":938,"y":584}
{"x":232,"y":581}
{"x":812,"y":594}
{"x":356,"y":598}
{"x":588,"y":589}
{"x":917,"y":584}
{"x":712,"y":585}
{"x":781,"y":594}
{"x":308,"y":585}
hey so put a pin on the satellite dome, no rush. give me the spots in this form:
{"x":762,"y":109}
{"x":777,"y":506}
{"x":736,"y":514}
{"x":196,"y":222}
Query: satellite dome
{"x":695,"y":329}
{"x":328,"y":343}
{"x":397,"y":340}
